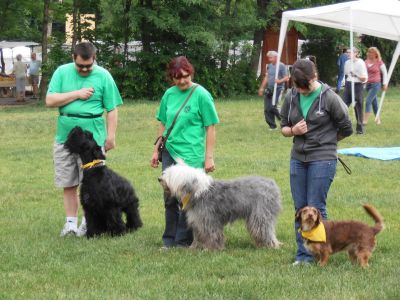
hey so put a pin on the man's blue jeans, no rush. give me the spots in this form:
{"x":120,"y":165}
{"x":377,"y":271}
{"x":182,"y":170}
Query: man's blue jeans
{"x":339,"y":80}
{"x":310,"y":183}
{"x":176,"y":231}
{"x":372,"y":101}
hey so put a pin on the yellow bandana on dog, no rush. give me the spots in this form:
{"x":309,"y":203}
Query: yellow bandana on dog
{"x":185,"y":200}
{"x":317,"y":234}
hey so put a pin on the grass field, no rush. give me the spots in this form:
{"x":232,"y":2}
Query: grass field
{"x":37,"y":264}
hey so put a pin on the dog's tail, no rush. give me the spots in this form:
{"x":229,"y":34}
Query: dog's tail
{"x":373,"y":212}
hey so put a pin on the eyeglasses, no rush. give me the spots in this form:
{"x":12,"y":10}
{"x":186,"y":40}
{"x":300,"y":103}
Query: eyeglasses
{"x":181,"y":76}
{"x":81,"y":66}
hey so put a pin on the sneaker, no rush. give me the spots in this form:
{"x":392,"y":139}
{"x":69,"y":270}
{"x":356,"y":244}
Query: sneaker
{"x":165,"y":248}
{"x":68,"y":230}
{"x":82,"y":228}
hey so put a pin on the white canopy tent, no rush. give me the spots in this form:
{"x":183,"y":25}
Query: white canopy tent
{"x":6,"y":44}
{"x":371,"y":17}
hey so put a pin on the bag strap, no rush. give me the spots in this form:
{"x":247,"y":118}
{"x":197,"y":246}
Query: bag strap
{"x":176,"y":116}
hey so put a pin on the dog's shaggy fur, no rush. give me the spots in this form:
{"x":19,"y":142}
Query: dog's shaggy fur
{"x":356,"y":237}
{"x":213,"y":204}
{"x":104,"y":194}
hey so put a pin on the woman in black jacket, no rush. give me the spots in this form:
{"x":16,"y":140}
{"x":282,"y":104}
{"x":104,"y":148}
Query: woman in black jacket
{"x":316,"y":118}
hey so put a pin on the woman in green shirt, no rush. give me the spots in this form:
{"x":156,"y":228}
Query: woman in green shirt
{"x":192,"y":139}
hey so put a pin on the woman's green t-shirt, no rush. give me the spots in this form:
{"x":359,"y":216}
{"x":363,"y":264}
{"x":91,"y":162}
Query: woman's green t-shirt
{"x":187,"y":138}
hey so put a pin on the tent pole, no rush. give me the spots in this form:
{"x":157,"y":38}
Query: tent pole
{"x":390,"y":72}
{"x":282,"y":35}
{"x":353,"y":102}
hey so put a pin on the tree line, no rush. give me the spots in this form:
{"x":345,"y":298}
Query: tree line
{"x":222,"y":38}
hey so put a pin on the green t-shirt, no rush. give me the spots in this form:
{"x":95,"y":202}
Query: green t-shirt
{"x":187,"y":138}
{"x":106,"y":96}
{"x":307,"y":101}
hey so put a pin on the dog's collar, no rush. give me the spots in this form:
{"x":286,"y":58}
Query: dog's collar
{"x":317,"y":234}
{"x":92,"y":164}
{"x":186,"y":199}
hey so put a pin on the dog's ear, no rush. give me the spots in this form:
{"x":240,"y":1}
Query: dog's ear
{"x":297,"y":216}
{"x":77,"y":129}
{"x":88,"y":135}
{"x":319,"y":216}
{"x":187,"y":188}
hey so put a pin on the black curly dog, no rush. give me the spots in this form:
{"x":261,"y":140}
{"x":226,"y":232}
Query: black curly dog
{"x":104,"y":194}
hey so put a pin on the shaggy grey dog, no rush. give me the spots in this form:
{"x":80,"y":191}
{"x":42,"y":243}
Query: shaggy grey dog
{"x":211,"y":204}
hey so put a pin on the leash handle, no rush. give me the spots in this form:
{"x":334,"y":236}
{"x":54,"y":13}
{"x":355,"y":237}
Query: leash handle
{"x":346,"y":167}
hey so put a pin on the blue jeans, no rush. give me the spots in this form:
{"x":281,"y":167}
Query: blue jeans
{"x":372,"y":101}
{"x":340,"y":80}
{"x":176,"y":231}
{"x":309,"y":184}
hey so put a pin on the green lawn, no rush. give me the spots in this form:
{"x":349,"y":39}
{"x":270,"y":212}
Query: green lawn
{"x":37,"y":264}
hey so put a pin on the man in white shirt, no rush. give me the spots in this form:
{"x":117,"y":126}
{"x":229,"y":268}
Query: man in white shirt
{"x":34,"y":68}
{"x":358,"y":75}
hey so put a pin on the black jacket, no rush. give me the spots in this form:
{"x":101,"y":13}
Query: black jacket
{"x":327,"y":118}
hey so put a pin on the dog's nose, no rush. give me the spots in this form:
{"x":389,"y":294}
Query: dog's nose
{"x":159,"y":179}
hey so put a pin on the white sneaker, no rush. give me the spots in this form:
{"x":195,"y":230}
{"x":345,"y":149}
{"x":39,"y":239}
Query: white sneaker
{"x":300,"y":262}
{"x":68,"y":229}
{"x":82,"y":228}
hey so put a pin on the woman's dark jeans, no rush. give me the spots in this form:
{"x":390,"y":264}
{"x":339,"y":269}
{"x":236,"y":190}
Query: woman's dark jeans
{"x":176,"y":231}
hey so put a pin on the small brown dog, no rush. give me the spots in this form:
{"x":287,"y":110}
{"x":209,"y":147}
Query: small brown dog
{"x":353,"y":236}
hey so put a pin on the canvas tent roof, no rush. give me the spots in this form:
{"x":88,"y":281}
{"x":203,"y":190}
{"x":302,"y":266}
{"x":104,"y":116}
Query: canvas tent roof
{"x":371,"y":17}
{"x":6,"y":44}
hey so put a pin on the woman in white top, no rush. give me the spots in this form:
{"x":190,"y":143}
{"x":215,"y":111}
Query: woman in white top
{"x":19,"y":70}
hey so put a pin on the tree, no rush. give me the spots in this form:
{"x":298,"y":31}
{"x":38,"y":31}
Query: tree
{"x":45,"y":26}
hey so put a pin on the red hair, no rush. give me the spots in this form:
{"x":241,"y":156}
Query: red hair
{"x":177,"y":65}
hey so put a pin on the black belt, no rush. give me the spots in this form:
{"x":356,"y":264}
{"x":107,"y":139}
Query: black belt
{"x":80,"y":116}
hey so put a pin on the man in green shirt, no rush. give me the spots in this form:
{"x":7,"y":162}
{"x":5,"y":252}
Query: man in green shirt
{"x":81,"y":91}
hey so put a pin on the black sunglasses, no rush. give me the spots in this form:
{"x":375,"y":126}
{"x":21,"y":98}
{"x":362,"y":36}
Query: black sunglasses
{"x":88,"y":66}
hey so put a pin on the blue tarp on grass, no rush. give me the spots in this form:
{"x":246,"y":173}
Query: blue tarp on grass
{"x":389,"y":153}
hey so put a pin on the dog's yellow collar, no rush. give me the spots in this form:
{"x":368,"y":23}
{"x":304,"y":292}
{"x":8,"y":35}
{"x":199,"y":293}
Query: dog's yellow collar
{"x":93,"y":164}
{"x":317,"y":234}
{"x":185,"y":200}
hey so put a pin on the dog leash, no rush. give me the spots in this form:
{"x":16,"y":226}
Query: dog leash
{"x":346,"y":167}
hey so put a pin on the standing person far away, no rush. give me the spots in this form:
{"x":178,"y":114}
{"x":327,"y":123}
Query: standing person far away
{"x":191,"y":140}
{"x":19,"y":70}
{"x":316,"y":118}
{"x":358,"y":75}
{"x":340,"y":62}
{"x":267,"y":88}
{"x":377,"y":79}
{"x":81,"y":91}
{"x":34,"y":68}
